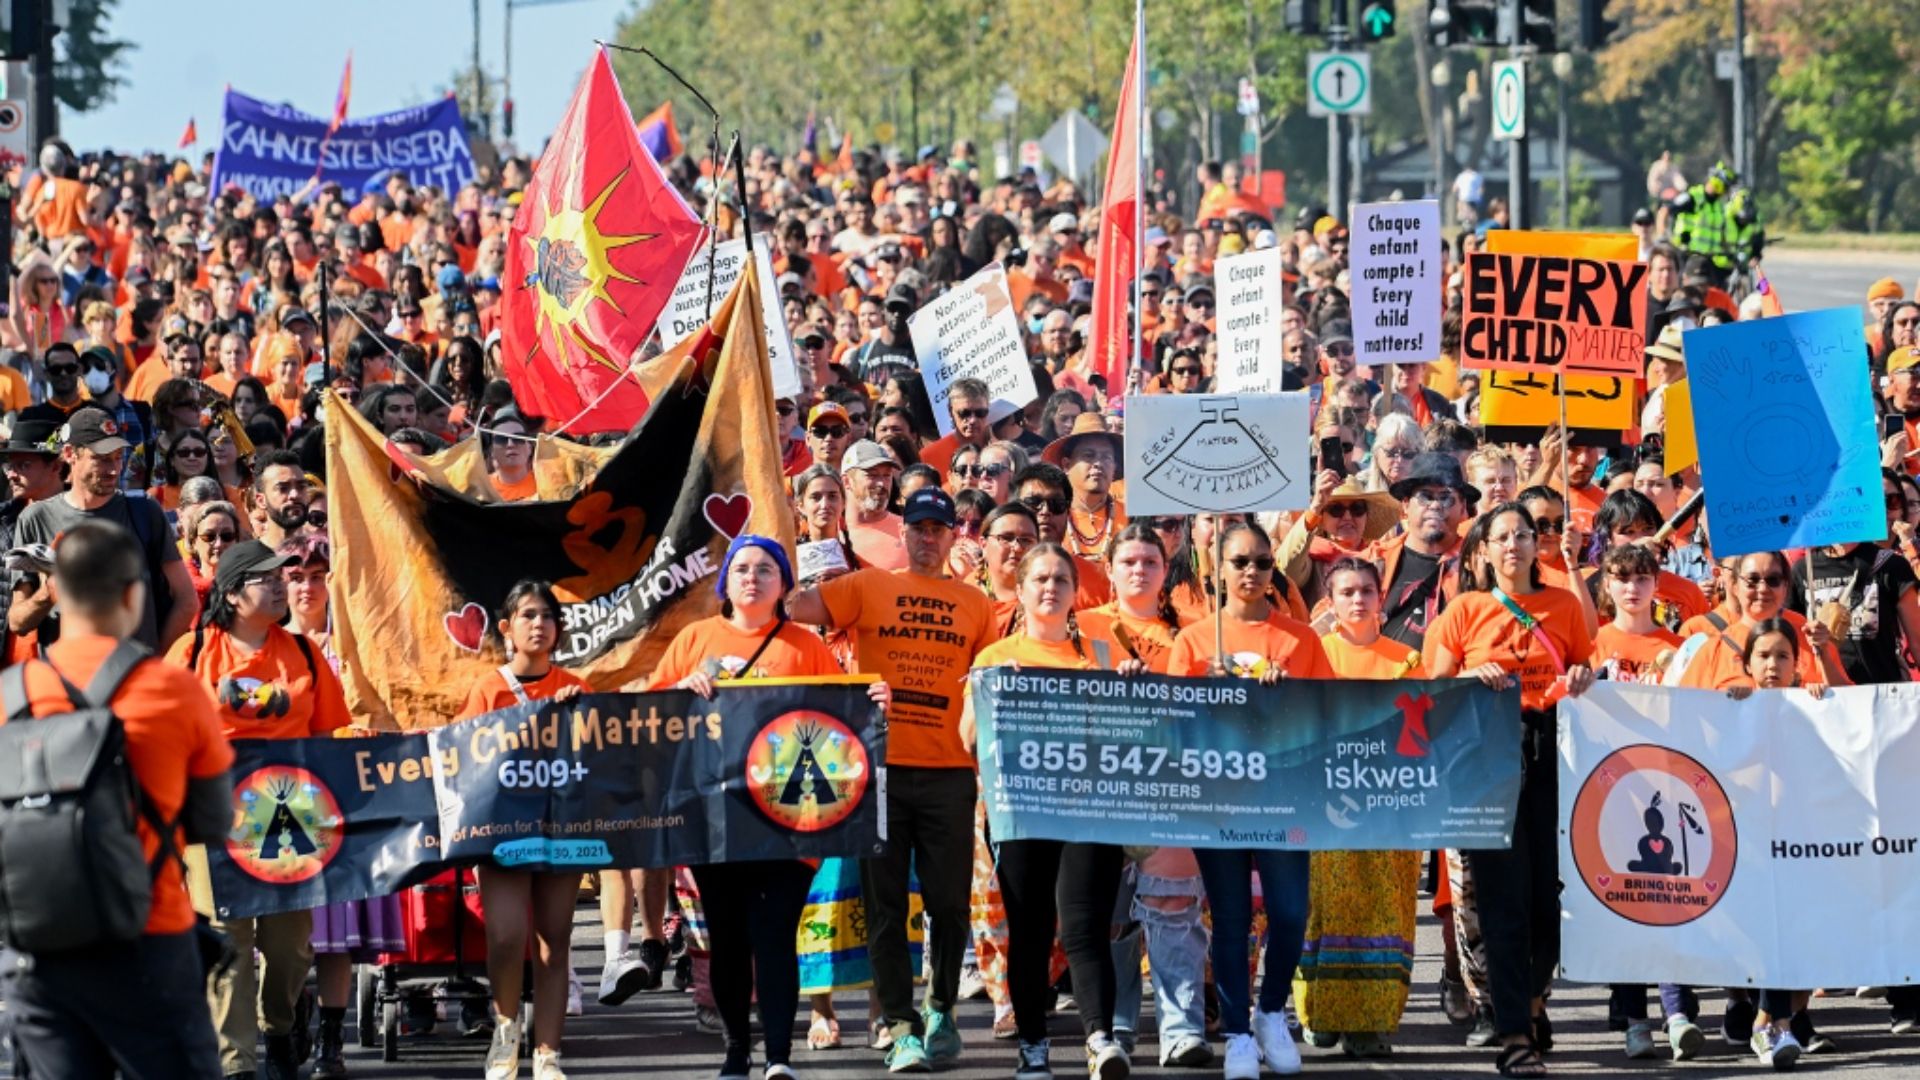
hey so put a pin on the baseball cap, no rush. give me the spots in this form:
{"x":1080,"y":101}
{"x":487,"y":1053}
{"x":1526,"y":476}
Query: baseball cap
{"x":1156,"y":236}
{"x":242,"y":561}
{"x":928,"y":504}
{"x":902,"y":296}
{"x":1063,"y":223}
{"x":138,"y":275}
{"x":827,"y":410}
{"x":866,"y":454}
{"x":95,"y":430}
{"x":1643,"y":216}
{"x":1337,"y":332}
{"x":294,"y":315}
{"x":1905,"y":360}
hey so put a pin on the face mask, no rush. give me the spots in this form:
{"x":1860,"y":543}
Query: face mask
{"x":99,"y":381}
{"x":1034,"y":325}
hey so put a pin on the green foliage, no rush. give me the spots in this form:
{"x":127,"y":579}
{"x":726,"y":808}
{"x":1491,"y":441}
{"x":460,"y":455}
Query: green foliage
{"x":91,"y":66}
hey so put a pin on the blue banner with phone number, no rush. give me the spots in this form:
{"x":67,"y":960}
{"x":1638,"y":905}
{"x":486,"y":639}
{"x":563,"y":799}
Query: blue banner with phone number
{"x":1304,"y":764}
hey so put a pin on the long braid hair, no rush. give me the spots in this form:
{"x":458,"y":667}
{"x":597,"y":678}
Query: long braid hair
{"x":1048,"y":550}
{"x":1142,"y":533}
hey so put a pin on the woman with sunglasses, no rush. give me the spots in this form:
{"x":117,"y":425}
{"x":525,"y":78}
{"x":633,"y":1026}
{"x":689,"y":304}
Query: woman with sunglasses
{"x":1186,"y":372}
{"x":207,"y":531}
{"x":1714,"y":645}
{"x":1396,"y":443}
{"x":1505,"y":627}
{"x":1189,"y":589}
{"x":1264,"y":643}
{"x":190,"y":454}
{"x":508,"y":449}
{"x":960,"y":468}
{"x":1340,"y":522}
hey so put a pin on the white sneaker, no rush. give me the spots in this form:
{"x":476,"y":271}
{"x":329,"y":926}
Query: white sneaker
{"x":546,"y":1065}
{"x":503,"y":1056}
{"x":1243,"y":1058}
{"x":1276,"y":1042}
{"x":780,"y":1071}
{"x":576,"y":996}
{"x":623,"y":977}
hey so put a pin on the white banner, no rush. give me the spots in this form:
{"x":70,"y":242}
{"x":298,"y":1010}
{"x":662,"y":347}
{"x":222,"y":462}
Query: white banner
{"x":687,"y":309}
{"x":1212,"y":453}
{"x":1395,"y":281}
{"x":1760,"y":843}
{"x":1247,"y":289}
{"x":972,"y":332}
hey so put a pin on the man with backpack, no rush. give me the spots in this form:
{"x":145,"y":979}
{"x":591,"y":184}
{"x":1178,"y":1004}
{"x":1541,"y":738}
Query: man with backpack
{"x":109,"y":971}
{"x":267,"y":683}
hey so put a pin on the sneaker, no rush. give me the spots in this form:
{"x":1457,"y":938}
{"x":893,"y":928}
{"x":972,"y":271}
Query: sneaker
{"x":653,"y":956}
{"x":503,"y":1055}
{"x":1684,"y":1037}
{"x":942,"y":1040}
{"x":1323,"y":1040}
{"x":1640,"y":1040}
{"x":1366,"y":1044}
{"x":576,"y":995}
{"x":546,"y":1065}
{"x":1032,"y":1062}
{"x":908,"y":1055}
{"x":1904,"y":1025}
{"x":707,"y":1018}
{"x":1128,"y":1039}
{"x":738,"y":1064}
{"x":1778,"y":1049}
{"x":621,"y":978}
{"x":1737,"y":1026}
{"x":972,"y":983}
{"x":1276,"y":1042}
{"x":1454,"y":1000}
{"x":1188,"y":1052}
{"x":1811,"y":1041}
{"x":779,"y":1070}
{"x":1105,"y":1059}
{"x":1005,"y":1026}
{"x":1483,"y":1033}
{"x":1243,"y":1058}
{"x":882,"y":1035}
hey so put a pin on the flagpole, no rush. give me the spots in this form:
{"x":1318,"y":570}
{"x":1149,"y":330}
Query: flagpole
{"x":1135,"y":362}
{"x":713,"y":203}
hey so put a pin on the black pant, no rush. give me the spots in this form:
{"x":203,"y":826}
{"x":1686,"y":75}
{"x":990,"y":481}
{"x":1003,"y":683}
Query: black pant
{"x":929,"y":833}
{"x":1518,"y":890}
{"x":140,"y":1008}
{"x":753,"y":914}
{"x":1079,"y":884}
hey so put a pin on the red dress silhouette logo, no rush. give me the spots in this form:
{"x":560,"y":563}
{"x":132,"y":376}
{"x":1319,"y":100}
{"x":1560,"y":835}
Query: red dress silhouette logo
{"x":1414,"y":740}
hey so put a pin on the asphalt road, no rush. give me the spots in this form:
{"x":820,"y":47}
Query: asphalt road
{"x":653,"y":1036}
{"x":1819,"y":279}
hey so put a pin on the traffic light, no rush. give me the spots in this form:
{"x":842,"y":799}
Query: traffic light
{"x":1463,"y":22}
{"x":1303,"y":16}
{"x":1376,"y":21}
{"x":506,"y":119}
{"x":1595,"y":27}
{"x":1537,"y":24}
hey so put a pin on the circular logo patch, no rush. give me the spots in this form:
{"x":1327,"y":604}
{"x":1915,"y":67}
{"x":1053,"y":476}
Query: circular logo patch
{"x":807,"y":771}
{"x":1653,"y":837}
{"x":289,"y":826}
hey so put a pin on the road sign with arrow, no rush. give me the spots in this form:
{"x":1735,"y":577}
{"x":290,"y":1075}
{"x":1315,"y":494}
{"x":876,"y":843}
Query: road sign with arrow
{"x":1510,"y":99}
{"x":1376,"y":21}
{"x":1339,"y":83}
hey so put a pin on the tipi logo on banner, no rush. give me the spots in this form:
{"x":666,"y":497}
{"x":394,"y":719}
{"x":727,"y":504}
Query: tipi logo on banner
{"x":807,"y":771}
{"x":289,"y":825}
{"x":1653,"y":836}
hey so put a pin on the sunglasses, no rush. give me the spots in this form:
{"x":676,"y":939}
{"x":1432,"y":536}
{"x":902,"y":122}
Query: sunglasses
{"x":1203,"y":304}
{"x":969,"y":414}
{"x":63,"y":369}
{"x":1441,"y":499}
{"x":1771,"y":581}
{"x":191,"y":452}
{"x":784,"y":410}
{"x":1337,"y":350}
{"x":984,"y":472}
{"x":226,"y":535}
{"x":856,"y":418}
{"x":1168,"y":524}
{"x":1262,"y":563}
{"x":1186,"y":371}
{"x":814,"y":342}
{"x":1550,"y":524}
{"x":1052,"y":504}
{"x":1354,"y":509}
{"x":829,"y":431}
{"x":317,"y":518}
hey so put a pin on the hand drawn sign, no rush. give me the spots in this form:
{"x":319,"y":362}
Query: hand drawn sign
{"x":1199,"y":454}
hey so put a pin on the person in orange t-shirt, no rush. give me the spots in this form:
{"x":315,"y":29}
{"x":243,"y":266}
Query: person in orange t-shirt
{"x":508,"y":451}
{"x":919,"y":630}
{"x":1505,"y":628}
{"x":751,"y":639}
{"x":266,"y":684}
{"x":1712,"y":654}
{"x":1633,"y":647}
{"x":528,"y":626}
{"x":72,"y":1007}
{"x":1141,"y":617}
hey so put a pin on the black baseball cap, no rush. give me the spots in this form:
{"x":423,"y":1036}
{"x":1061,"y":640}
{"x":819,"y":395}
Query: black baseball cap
{"x":94,"y":429}
{"x":927,"y":504}
{"x":294,"y":315}
{"x":241,"y":561}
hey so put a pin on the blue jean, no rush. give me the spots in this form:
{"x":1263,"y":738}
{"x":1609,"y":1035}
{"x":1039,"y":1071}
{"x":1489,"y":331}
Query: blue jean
{"x":1284,"y":879}
{"x":1176,"y":951}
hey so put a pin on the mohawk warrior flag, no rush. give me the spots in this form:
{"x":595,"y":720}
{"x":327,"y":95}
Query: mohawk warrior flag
{"x":592,"y":257}
{"x":630,"y":537}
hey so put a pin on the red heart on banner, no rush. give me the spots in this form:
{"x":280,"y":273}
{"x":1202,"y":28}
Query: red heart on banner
{"x":1657,"y":845}
{"x":467,"y":627}
{"x":1604,"y":880}
{"x":728,"y":513}
{"x":1713,"y":886}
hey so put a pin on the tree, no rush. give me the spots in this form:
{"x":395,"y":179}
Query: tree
{"x":89,"y":69}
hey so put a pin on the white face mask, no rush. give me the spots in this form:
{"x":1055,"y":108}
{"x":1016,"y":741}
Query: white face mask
{"x":99,"y":381}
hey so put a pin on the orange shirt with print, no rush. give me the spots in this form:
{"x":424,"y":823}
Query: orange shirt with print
{"x":793,"y":652}
{"x":1721,"y":663}
{"x":492,"y":692}
{"x":269,"y":693}
{"x":920,"y":634}
{"x":173,"y":736}
{"x":1279,"y":641}
{"x":1478,"y":629}
{"x":1384,"y":659}
{"x":1620,"y":656}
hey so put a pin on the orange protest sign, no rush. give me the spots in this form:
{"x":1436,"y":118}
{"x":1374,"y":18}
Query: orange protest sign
{"x":1682,"y":449}
{"x":1531,"y":400}
{"x":1616,"y":246}
{"x":1554,"y":313}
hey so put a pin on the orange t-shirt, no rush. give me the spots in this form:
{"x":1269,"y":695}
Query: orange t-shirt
{"x":14,"y":395}
{"x":173,"y":736}
{"x":148,"y":377}
{"x":269,"y":693}
{"x":1151,"y":640}
{"x":880,"y":543}
{"x":794,"y":652}
{"x":1720,"y":664}
{"x":1101,"y":527}
{"x":1384,"y":659}
{"x":57,"y":213}
{"x":920,"y":634}
{"x":492,"y":691}
{"x":1584,"y":504}
{"x":1478,"y":629}
{"x":522,"y":490}
{"x":1631,"y":658}
{"x":1675,"y":599}
{"x":1252,"y":647}
{"x":1032,"y":652}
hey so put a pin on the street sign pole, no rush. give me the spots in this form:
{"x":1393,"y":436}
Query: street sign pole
{"x":1510,"y":126}
{"x":1520,"y":176}
{"x":1336,"y":146}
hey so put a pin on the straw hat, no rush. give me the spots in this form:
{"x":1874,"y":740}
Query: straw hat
{"x":1383,"y":510}
{"x":1087,"y":425}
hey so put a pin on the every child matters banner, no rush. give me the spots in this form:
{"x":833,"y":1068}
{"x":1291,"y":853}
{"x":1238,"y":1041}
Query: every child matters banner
{"x":269,"y":149}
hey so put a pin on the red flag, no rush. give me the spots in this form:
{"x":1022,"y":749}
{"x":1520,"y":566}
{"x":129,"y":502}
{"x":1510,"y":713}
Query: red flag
{"x":340,"y":99}
{"x":189,"y":136}
{"x":592,"y":257}
{"x":1117,"y":258}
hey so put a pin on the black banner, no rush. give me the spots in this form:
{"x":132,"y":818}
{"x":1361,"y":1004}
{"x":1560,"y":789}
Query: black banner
{"x":774,"y":770}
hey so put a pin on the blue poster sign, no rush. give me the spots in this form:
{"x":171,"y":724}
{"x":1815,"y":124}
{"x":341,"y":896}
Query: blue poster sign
{"x":1306,"y":764}
{"x":1783,"y":412}
{"x":268,"y":149}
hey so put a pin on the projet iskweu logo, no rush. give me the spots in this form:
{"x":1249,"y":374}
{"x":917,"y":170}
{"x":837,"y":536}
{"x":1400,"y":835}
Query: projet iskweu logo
{"x":1361,"y":781}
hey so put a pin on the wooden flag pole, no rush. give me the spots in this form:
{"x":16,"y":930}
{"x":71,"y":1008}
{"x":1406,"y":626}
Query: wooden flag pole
{"x":1220,"y":594}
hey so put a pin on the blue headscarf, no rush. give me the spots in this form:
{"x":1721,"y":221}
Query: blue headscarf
{"x":764,"y":543}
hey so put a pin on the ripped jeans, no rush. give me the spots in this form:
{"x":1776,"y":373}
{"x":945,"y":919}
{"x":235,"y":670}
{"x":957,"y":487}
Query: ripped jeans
{"x":1176,"y":952}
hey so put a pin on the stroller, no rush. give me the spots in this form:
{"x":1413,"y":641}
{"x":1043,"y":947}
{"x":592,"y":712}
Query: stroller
{"x":445,"y":961}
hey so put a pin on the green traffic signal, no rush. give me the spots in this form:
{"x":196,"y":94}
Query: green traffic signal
{"x":1376,"y":21}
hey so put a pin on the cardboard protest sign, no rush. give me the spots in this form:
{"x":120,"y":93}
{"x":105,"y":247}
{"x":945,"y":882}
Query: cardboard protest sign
{"x":1248,"y":289}
{"x":972,"y":332}
{"x":1520,"y":407}
{"x":1682,"y":446}
{"x":1396,"y":282}
{"x":1783,"y":409}
{"x":1618,"y":247}
{"x":687,"y":311}
{"x":1203,"y":453}
{"x":1554,"y":313}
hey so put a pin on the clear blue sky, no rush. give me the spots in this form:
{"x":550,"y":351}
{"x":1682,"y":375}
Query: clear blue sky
{"x":404,"y":53}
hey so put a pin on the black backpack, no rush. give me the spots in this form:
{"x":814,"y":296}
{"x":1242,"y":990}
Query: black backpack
{"x":72,"y":873}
